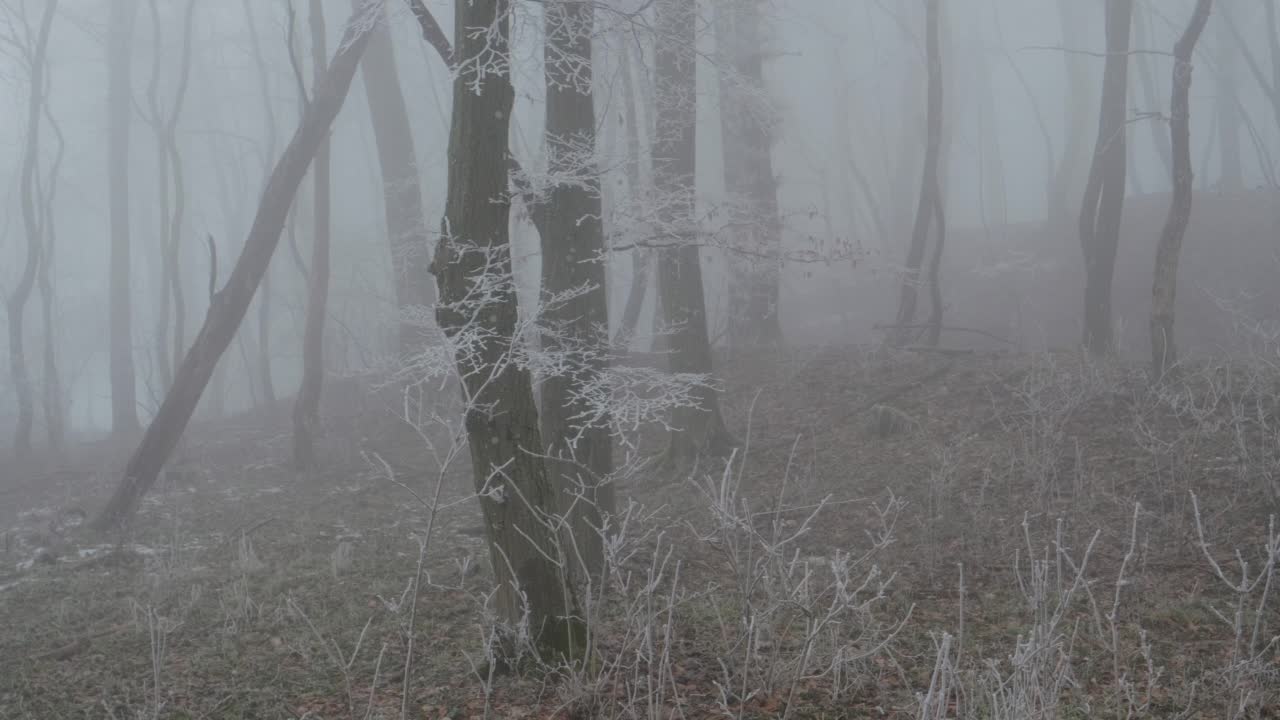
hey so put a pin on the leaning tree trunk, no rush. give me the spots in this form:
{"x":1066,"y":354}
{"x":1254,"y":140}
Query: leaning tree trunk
{"x":516,"y":495}
{"x":745,"y":127}
{"x":401,"y":192}
{"x":1164,"y":355}
{"x":929,"y":204}
{"x":1103,"y":205}
{"x":124,"y":410}
{"x":16,"y":303}
{"x":232,"y":302}
{"x":699,"y":427}
{"x":579,"y":443}
{"x":306,"y":408}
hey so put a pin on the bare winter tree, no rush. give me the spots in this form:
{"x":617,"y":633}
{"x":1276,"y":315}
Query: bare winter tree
{"x":54,"y":400}
{"x":580,"y":451}
{"x":1070,"y":178}
{"x":306,"y":408}
{"x":230,"y":304}
{"x":401,"y":191}
{"x":1164,"y":354}
{"x":477,"y":311}
{"x":124,"y":408}
{"x":1227,"y":102}
{"x":929,"y":208}
{"x":701,"y":428}
{"x":1103,"y":204}
{"x":170,"y":178}
{"x":641,"y":257}
{"x":747,"y":118}
{"x":35,"y":55}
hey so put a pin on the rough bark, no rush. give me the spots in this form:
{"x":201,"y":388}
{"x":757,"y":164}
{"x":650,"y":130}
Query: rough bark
{"x":124,"y":410}
{"x":746,"y":128}
{"x":501,"y":416}
{"x":928,"y":206}
{"x":231,"y":303}
{"x":701,"y":428}
{"x":1164,"y":354}
{"x":579,"y":444}
{"x":401,"y":192}
{"x":1103,"y":205}
{"x":16,"y":303}
{"x":306,"y":407}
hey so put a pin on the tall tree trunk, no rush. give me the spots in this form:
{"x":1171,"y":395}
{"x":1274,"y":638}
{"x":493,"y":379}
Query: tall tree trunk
{"x":232,"y":302}
{"x":124,"y":409}
{"x":579,"y":443}
{"x":16,"y":303}
{"x":1164,"y":354}
{"x":501,"y":416}
{"x":746,"y":131}
{"x":401,"y":191}
{"x":1103,"y":204}
{"x":929,"y":204}
{"x":1227,"y":91}
{"x":306,"y":409}
{"x":641,"y":261}
{"x":55,"y":406}
{"x":700,"y":427}
{"x":1069,"y":180}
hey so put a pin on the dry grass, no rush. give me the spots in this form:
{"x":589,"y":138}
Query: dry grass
{"x":1027,"y":546}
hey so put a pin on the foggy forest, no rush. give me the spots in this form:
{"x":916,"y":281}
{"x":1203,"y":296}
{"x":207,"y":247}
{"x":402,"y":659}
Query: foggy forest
{"x":640,"y":359}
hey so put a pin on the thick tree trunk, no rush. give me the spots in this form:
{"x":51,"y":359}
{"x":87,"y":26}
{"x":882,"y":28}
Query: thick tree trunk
{"x":124,"y":410}
{"x":700,"y":428}
{"x":746,"y":132}
{"x":232,"y":302}
{"x":1164,"y":354}
{"x":501,"y":417}
{"x":929,"y":205}
{"x":401,"y":191}
{"x":579,"y":444}
{"x":1228,"y":105}
{"x":306,"y":408}
{"x":1103,"y":204}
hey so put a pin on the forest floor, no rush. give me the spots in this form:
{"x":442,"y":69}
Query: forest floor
{"x":907,"y":535}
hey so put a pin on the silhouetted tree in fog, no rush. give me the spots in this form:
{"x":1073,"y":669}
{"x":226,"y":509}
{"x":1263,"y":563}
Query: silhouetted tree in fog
{"x":401,"y":192}
{"x":35,"y":56}
{"x":1103,"y":205}
{"x":230,"y":304}
{"x":929,"y":208}
{"x":1227,"y":102}
{"x":124,"y":408}
{"x":1164,"y":354}
{"x":306,"y":408}
{"x":701,"y":427}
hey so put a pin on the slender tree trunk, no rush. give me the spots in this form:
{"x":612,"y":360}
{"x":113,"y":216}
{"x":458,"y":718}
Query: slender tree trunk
{"x":124,"y":410}
{"x":1228,"y":105}
{"x":1164,"y":354}
{"x":641,"y":262}
{"x":231,"y":303}
{"x":16,"y":303}
{"x":929,"y":187}
{"x":749,"y":179}
{"x":699,"y":428}
{"x":1069,"y":180}
{"x":401,"y":192}
{"x":501,"y":417}
{"x":1103,"y":204}
{"x":55,"y":407}
{"x":579,"y":443}
{"x":306,"y":409}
